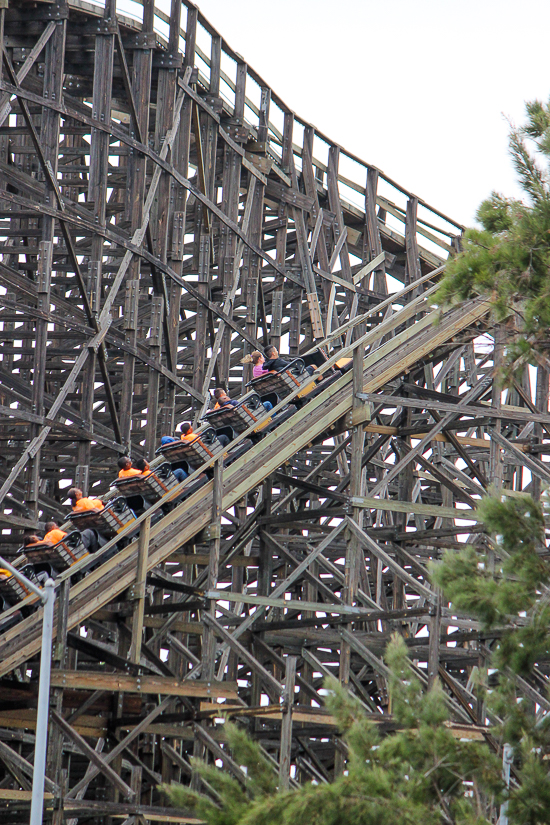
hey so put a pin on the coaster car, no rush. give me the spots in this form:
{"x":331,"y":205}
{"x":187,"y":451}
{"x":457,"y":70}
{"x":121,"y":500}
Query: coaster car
{"x":62,"y":555}
{"x":10,"y":621}
{"x":285,"y":381}
{"x":240,"y":417}
{"x":195,"y":452}
{"x":108,"y":522}
{"x":153,"y":484}
{"x":11,"y":589}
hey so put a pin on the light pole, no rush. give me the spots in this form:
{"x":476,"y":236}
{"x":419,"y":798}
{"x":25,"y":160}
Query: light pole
{"x":507,"y":759}
{"x":47,"y":597}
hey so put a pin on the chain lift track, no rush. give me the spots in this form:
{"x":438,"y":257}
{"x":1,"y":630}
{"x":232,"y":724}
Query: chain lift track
{"x":162,"y":214}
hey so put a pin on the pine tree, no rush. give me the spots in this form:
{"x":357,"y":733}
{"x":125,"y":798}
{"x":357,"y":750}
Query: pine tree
{"x":507,"y":259}
{"x":507,"y":588}
{"x":418,"y":774}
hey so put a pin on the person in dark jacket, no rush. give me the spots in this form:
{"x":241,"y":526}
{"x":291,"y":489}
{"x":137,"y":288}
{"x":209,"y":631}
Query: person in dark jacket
{"x":223,"y":400}
{"x":274,"y":362}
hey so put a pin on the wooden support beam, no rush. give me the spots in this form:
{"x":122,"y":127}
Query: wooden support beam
{"x":285,"y":751}
{"x":139,"y":591}
{"x":94,"y":757}
{"x":162,"y":685}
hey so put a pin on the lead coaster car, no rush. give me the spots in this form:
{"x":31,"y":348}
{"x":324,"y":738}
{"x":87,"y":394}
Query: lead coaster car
{"x":285,"y":381}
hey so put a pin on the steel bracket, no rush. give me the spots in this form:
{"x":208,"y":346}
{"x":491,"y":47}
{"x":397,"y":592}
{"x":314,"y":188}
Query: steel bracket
{"x":141,"y":40}
{"x":213,"y":531}
{"x":359,"y":415}
{"x":136,"y":591}
{"x":167,"y":60}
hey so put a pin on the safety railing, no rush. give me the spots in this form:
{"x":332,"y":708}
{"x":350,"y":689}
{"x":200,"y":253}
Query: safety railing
{"x":434,"y":230}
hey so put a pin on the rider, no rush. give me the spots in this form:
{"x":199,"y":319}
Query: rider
{"x":80,"y":504}
{"x":125,"y":467}
{"x":275,"y":363}
{"x":256,"y":358}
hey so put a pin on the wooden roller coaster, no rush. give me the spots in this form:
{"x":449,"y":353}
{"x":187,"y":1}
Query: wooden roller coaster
{"x":162,"y":214}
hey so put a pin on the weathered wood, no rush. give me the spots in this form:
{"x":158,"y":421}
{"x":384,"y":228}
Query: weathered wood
{"x":285,"y":751}
{"x":162,"y":217}
{"x":139,"y":591}
{"x":92,"y":755}
{"x":79,"y":680}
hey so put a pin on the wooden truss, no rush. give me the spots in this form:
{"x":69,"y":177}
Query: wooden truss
{"x":162,"y":214}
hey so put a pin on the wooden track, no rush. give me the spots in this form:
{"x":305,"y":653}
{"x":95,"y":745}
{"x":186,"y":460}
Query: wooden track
{"x":179,"y":527}
{"x":162,"y":213}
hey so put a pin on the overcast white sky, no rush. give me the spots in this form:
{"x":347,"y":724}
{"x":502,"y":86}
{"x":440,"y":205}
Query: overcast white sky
{"x":418,"y":88}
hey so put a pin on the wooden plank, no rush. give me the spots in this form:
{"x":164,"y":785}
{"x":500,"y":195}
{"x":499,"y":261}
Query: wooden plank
{"x":506,"y":411}
{"x":468,"y":441}
{"x":161,"y":685}
{"x":390,"y":505}
{"x":290,"y":604}
{"x":25,"y":718}
{"x":20,"y":796}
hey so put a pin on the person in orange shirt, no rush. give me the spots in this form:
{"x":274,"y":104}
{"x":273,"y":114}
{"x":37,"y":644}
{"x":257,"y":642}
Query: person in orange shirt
{"x":80,"y":504}
{"x":186,"y":432}
{"x":53,"y":533}
{"x":142,"y":466}
{"x":125,"y":468}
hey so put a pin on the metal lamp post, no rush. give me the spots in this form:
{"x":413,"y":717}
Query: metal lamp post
{"x":507,"y":759}
{"x":47,"y":597}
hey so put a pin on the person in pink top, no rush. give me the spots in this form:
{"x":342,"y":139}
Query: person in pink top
{"x":258,"y":360}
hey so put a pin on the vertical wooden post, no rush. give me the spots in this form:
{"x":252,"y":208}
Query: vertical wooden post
{"x":354,"y":553}
{"x":433,"y":648}
{"x":288,"y":130}
{"x":54,"y":60}
{"x":372,"y":241}
{"x":162,"y":221}
{"x":285,"y":752}
{"x":157,"y":311}
{"x":135,"y":782}
{"x":209,"y":637}
{"x":412,"y":267}
{"x":137,"y":167}
{"x":139,"y":591}
{"x":496,"y":466}
{"x":265,"y":571}
{"x":542,"y":406}
{"x":177,"y":216}
{"x":202,"y":312}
